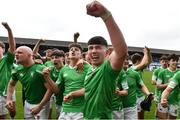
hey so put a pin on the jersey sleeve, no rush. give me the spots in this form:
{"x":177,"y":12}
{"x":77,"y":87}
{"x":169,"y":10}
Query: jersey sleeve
{"x":175,"y":81}
{"x":9,"y":57}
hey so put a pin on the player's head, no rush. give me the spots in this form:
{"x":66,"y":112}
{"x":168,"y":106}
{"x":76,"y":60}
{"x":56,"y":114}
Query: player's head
{"x":23,"y":55}
{"x":2,"y":49}
{"x":57,"y":57}
{"x":173,"y":60}
{"x":136,"y":58}
{"x":164,"y":61}
{"x":75,"y":51}
{"x":126,"y":63}
{"x":97,"y":47}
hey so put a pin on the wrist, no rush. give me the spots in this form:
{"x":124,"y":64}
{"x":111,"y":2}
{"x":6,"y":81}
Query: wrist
{"x":106,"y":15}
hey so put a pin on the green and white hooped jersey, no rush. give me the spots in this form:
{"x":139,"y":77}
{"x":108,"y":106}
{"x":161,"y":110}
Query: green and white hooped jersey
{"x":72,"y":79}
{"x":99,"y":90}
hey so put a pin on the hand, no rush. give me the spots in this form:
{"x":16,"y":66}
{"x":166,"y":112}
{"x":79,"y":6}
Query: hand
{"x":67,"y":97}
{"x":117,"y":92}
{"x":146,"y":49}
{"x":95,"y":9}
{"x":10,"y":105}
{"x":80,"y":64}
{"x":38,"y":61}
{"x":42,"y":41}
{"x":164,"y":102}
{"x":5,"y":24}
{"x":46,"y":72}
{"x":36,"y":110}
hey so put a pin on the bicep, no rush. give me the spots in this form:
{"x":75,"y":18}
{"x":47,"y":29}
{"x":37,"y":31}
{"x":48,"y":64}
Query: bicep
{"x":116,"y":62}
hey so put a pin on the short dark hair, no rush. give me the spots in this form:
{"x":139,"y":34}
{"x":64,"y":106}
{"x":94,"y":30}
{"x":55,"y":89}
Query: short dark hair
{"x":136,"y":57}
{"x":2,"y":44}
{"x":58,"y":53}
{"x":173,"y":56}
{"x":75,"y":45}
{"x":97,"y":40}
{"x":163,"y":57}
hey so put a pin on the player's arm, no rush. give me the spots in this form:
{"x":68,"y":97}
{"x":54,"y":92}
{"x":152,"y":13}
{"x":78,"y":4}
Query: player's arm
{"x":43,"y":102}
{"x":73,"y":94}
{"x":160,"y":85}
{"x":164,"y":96}
{"x":120,"y":48}
{"x":145,"y":89}
{"x":121,"y":92}
{"x":154,"y":77}
{"x":146,"y":60}
{"x":11,"y":40}
{"x":10,"y":90}
{"x":36,"y":47}
{"x":51,"y":84}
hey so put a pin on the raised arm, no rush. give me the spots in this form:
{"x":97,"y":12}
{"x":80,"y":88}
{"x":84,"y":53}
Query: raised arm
{"x":120,"y":48}
{"x":146,"y":60}
{"x":36,"y":47}
{"x":11,"y":40}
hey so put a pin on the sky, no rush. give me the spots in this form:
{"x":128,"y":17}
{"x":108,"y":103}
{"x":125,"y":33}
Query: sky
{"x":152,"y":23}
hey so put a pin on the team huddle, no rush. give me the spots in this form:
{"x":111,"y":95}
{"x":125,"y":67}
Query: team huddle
{"x":96,"y":84}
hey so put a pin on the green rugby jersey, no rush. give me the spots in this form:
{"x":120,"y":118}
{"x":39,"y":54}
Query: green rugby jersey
{"x":163,"y":78}
{"x":173,"y":98}
{"x":32,"y":81}
{"x":99,"y":90}
{"x":138,"y":91}
{"x":6,"y":64}
{"x":72,"y":80}
{"x":155,"y":78}
{"x":134,"y":81}
{"x":54,"y":76}
{"x":121,"y":84}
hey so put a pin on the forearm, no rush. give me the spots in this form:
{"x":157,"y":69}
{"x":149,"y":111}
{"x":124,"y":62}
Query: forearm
{"x":78,"y":93}
{"x":166,"y":93}
{"x":145,"y":90}
{"x":36,"y":48}
{"x":45,"y":98}
{"x":53,"y":86}
{"x":11,"y":40}
{"x":161,"y":86}
{"x":122,"y":92}
{"x":116,"y":36}
{"x":10,"y":90}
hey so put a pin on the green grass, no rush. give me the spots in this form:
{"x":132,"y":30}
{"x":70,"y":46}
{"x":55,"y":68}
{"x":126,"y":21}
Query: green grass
{"x":147,"y":80}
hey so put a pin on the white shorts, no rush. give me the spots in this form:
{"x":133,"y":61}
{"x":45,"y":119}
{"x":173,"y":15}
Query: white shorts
{"x":162,"y":109}
{"x":130,"y":113}
{"x":71,"y":116}
{"x":52,"y":98}
{"x":118,"y":115}
{"x":3,"y":109}
{"x":58,"y":110}
{"x":43,"y":114}
{"x":139,"y":100}
{"x":171,"y":109}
